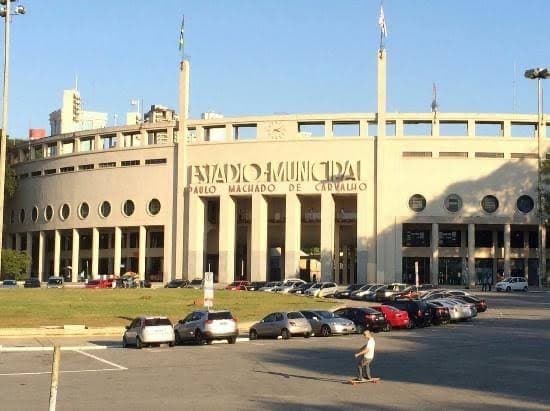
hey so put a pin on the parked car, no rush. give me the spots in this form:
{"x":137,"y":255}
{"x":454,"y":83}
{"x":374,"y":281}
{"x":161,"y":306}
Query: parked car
{"x":32,"y":282}
{"x":147,"y":330}
{"x":480,"y":303}
{"x":288,"y":285}
{"x":55,"y":282}
{"x":255,"y":285}
{"x":367,"y":292}
{"x":285,"y":324}
{"x":196,"y":283}
{"x":411,"y":292}
{"x":386,"y":293}
{"x":9,"y":283}
{"x":418,"y":310}
{"x":326,"y":323}
{"x":270,"y":286}
{"x":471,"y":309}
{"x":178,"y":283}
{"x":457,"y":312}
{"x":238,"y":286}
{"x":396,"y":318}
{"x":364,"y":318}
{"x":301,"y":289}
{"x":325,"y":289}
{"x":440,"y":314}
{"x":206,"y":326}
{"x":512,"y":284}
{"x":346,"y":293}
{"x":99,"y":284}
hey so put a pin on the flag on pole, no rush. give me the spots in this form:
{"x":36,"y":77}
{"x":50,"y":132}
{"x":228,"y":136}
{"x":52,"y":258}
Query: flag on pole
{"x":434,"y":99}
{"x":181,"y":33}
{"x":382,"y":22}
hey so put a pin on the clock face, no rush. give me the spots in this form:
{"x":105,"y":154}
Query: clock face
{"x":276,"y":130}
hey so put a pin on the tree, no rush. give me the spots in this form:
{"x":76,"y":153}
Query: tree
{"x":14,"y":264}
{"x":10,"y":183}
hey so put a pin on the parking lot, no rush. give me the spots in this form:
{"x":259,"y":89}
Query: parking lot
{"x":500,"y":360}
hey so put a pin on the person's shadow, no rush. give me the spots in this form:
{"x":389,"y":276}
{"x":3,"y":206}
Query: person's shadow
{"x":304,"y":377}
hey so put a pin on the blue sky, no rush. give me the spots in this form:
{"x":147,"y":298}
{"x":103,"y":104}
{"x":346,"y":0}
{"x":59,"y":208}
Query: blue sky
{"x":253,"y":57}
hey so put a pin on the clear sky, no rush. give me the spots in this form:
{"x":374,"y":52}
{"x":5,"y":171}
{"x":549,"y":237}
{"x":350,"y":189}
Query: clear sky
{"x":275,"y":56}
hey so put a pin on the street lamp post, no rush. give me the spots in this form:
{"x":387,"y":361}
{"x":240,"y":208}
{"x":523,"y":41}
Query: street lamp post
{"x":539,"y":74}
{"x":5,"y":12}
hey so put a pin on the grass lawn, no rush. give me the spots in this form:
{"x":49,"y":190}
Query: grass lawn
{"x":106,"y":307}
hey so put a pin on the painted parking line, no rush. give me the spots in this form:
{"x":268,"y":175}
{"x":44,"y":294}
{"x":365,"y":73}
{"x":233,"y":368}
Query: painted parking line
{"x":67,"y":348}
{"x":120,"y":367}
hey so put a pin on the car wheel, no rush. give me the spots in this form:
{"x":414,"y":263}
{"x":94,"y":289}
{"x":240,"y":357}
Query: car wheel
{"x":307,"y":335}
{"x":171,"y":343}
{"x":360,"y":329}
{"x":199,"y":339}
{"x":124,"y":342}
{"x":232,"y":340}
{"x":178,"y":338}
{"x":508,"y":289}
{"x":525,"y":288}
{"x":388,"y":327}
{"x":253,"y":335}
{"x":139,"y":344}
{"x":285,"y":334}
{"x":325,"y":331}
{"x":209,"y":342}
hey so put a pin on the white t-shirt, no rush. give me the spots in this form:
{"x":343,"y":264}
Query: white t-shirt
{"x":369,"y":355}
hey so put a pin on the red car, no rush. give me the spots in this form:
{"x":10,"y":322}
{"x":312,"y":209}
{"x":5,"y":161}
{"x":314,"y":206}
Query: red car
{"x":99,"y":284}
{"x":238,"y":285}
{"x":396,"y":318}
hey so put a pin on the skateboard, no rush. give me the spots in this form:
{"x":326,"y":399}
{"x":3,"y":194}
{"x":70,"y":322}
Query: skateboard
{"x":355,"y":381}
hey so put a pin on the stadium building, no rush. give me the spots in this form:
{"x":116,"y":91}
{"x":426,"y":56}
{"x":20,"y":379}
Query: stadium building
{"x":349,"y":197}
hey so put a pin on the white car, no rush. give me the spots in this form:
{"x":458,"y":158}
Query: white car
{"x":288,"y":285}
{"x":269,"y":287}
{"x":512,"y":284}
{"x":324,"y":289}
{"x":144,"y":331}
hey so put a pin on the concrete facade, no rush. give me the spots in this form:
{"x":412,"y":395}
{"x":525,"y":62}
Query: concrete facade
{"x":351,"y":197}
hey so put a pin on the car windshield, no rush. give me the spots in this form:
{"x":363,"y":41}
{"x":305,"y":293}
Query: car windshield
{"x":316,"y":285}
{"x":156,"y":321}
{"x":9,"y":282}
{"x":294,"y":315}
{"x":354,"y":287}
{"x":271,"y":284}
{"x":222,"y":315}
{"x":326,"y":314}
{"x":55,"y":281}
{"x":197,"y":281}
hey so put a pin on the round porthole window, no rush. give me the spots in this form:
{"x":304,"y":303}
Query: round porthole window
{"x":48,"y":213}
{"x":34,"y":214}
{"x":489,"y":204}
{"x":128,"y":208}
{"x":417,"y":203}
{"x":154,"y":206}
{"x":453,"y":203}
{"x":105,"y":209}
{"x":84,"y":210}
{"x":525,"y":204}
{"x":22,"y":215}
{"x":65,"y":211}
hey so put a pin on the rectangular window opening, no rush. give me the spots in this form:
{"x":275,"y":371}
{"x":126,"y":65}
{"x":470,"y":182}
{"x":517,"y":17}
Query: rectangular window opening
{"x":86,"y":167}
{"x":346,"y":129}
{"x":36,"y":173}
{"x":524,"y":155}
{"x":453,"y":129}
{"x":107,"y":165}
{"x":423,"y":129}
{"x":50,"y":171}
{"x":489,"y":129}
{"x":216,"y":133}
{"x":129,"y":163}
{"x":417,"y":153}
{"x":457,"y":154}
{"x":524,"y":130}
{"x":155,"y":161}
{"x":311,"y":129}
{"x":66,"y":169}
{"x":489,"y":155}
{"x":245,"y":132}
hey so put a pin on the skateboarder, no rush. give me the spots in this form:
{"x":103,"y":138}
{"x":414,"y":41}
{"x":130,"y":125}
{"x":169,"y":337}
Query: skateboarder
{"x":365,"y":357}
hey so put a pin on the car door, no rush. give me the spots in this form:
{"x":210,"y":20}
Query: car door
{"x":186,"y":330}
{"x":313,"y":319}
{"x":263,"y":326}
{"x":132,"y":331}
{"x":278,"y":324}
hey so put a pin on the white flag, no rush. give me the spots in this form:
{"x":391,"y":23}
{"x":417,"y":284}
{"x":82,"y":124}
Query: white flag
{"x":382,"y":23}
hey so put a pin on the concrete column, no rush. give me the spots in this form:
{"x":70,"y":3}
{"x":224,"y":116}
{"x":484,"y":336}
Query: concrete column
{"x":144,"y":137}
{"x":97,"y":143}
{"x":328,"y":128}
{"x":327,"y":236}
{"x":526,"y":257}
{"x":118,"y":251}
{"x":362,"y":236}
{"x":258,"y":260}
{"x":471,"y":254}
{"x":336,"y":259}
{"x":75,"y":256}
{"x":18,"y":241}
{"x":142,"y":251}
{"x":226,"y":249}
{"x":76,"y":148}
{"x":435,"y":254}
{"x":494,"y":254}
{"x":471,"y":128}
{"x":168,"y":274}
{"x":398,"y":251}
{"x":29,"y":252}
{"x":95,"y":253}
{"x":41,"y":253}
{"x":507,"y":234}
{"x":435,"y":127}
{"x":56,"y":252}
{"x":195,"y":262}
{"x":293,"y":225}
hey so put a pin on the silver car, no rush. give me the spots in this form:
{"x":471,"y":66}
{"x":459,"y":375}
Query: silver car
{"x":285,"y":324}
{"x":144,"y":331}
{"x":326,"y":323}
{"x":270,"y":287}
{"x":206,"y":326}
{"x":9,"y":284}
{"x":288,"y":284}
